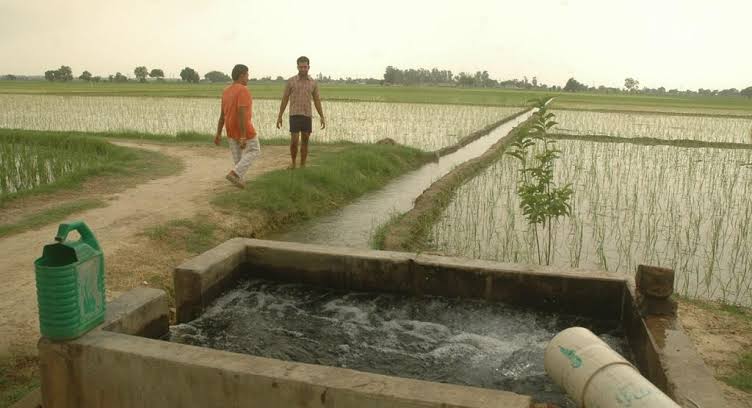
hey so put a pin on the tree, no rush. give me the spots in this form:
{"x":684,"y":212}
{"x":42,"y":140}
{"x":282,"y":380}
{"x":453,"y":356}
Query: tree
{"x":217,"y":76}
{"x":140,"y":73}
{"x":632,"y":84}
{"x":390,"y":75}
{"x":157,"y":73}
{"x":573,"y":85}
{"x":465,"y":79}
{"x":746,"y":92}
{"x":85,"y":76}
{"x":96,"y":78}
{"x":542,"y":202}
{"x":119,"y":77}
{"x":65,"y":73}
{"x":189,"y":75}
{"x":50,"y":75}
{"x":10,"y":77}
{"x":280,"y":78}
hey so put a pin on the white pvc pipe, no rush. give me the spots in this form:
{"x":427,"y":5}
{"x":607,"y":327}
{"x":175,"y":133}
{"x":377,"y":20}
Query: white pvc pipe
{"x":594,"y":375}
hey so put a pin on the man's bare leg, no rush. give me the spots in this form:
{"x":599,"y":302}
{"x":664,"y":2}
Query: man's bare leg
{"x":294,"y":138}
{"x":304,"y":148}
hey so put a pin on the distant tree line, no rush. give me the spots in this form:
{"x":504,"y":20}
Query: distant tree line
{"x":435,"y":76}
{"x":140,"y":73}
{"x":632,"y":85}
{"x":395,"y":76}
{"x":63,"y":74}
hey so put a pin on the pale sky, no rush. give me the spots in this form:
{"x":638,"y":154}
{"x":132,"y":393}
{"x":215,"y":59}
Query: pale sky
{"x":672,"y":43}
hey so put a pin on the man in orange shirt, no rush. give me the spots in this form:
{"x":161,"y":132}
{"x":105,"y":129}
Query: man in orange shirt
{"x":300,"y":90}
{"x":235,"y":117}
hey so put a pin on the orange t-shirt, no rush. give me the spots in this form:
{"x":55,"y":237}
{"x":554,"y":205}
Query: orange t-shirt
{"x":233,"y":97}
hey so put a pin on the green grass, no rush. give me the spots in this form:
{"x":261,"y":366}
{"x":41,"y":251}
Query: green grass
{"x":737,"y":311}
{"x":19,"y":375}
{"x":332,"y":179}
{"x":742,"y":377}
{"x":194,"y":235}
{"x":55,"y":214}
{"x":379,"y":235}
{"x":392,"y":94}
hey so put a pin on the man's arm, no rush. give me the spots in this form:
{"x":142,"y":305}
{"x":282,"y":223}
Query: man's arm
{"x":220,"y":125}
{"x":283,"y":105}
{"x":317,"y":104}
{"x":241,"y":115}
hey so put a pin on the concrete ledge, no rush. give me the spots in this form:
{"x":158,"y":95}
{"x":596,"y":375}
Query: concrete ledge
{"x":334,"y":267}
{"x":139,"y":312}
{"x":105,"y":369}
{"x":199,"y":280}
{"x":665,"y":356}
{"x":590,"y":293}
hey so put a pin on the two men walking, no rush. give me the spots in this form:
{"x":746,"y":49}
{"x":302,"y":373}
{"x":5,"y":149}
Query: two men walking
{"x":236,"y":113}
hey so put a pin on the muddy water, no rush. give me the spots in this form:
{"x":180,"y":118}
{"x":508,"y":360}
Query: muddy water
{"x":474,"y":343}
{"x":354,"y":224}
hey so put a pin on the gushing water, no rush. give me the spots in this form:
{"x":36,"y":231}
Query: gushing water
{"x":474,"y":343}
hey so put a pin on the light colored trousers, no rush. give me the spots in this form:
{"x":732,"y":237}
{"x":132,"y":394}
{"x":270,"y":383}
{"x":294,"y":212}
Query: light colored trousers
{"x":243,"y":158}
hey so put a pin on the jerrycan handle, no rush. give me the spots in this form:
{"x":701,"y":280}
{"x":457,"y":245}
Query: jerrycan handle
{"x":86,"y":235}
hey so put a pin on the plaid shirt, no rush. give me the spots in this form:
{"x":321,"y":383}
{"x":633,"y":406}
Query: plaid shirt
{"x":301,"y":92}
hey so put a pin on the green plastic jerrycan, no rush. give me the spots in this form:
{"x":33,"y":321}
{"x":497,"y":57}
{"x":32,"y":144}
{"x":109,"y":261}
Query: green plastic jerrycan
{"x":70,"y":284}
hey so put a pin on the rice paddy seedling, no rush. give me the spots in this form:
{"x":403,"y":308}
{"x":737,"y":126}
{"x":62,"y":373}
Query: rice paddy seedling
{"x":428,"y":127}
{"x":679,"y":207}
{"x":28,"y":162}
{"x":701,"y":128}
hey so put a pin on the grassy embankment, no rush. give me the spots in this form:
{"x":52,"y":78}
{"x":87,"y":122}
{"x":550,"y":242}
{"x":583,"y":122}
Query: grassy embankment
{"x":339,"y":174}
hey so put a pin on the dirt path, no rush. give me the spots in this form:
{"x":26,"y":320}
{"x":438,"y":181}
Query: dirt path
{"x":720,"y":338}
{"x":128,"y":214}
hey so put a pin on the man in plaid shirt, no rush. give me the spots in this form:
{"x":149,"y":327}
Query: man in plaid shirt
{"x":299,"y":91}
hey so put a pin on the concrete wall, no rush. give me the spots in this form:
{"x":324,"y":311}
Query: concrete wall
{"x":105,"y":369}
{"x":111,"y":367}
{"x":666,"y":356}
{"x":200,"y":280}
{"x":590,"y":293}
{"x":672,"y":364}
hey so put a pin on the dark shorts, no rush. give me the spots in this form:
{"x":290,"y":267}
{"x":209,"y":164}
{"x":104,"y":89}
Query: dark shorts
{"x":300,"y":123}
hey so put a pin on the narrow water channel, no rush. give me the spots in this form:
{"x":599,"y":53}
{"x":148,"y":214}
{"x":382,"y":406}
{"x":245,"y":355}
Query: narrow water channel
{"x":354,"y":224}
